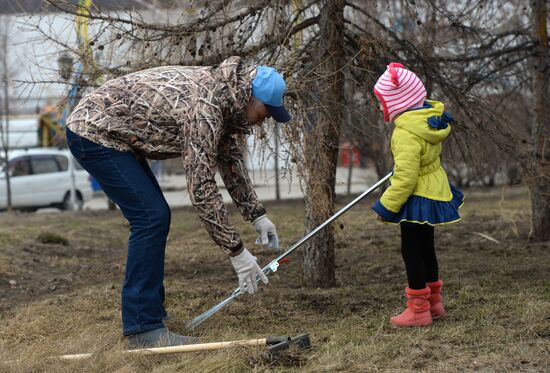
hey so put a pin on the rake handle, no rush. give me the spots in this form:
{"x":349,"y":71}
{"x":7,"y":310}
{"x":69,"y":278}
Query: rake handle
{"x":184,"y":348}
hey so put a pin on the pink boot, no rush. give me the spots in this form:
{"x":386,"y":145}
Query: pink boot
{"x":418,"y":309}
{"x":436,"y":307}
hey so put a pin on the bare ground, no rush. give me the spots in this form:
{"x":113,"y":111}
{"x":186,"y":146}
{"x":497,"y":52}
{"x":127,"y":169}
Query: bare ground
{"x":60,"y":279}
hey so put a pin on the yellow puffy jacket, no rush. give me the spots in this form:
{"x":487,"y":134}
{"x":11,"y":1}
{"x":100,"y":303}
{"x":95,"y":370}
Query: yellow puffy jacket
{"x":416,"y":147}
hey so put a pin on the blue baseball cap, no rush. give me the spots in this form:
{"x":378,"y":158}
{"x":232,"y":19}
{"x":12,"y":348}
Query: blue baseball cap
{"x":268,"y":87}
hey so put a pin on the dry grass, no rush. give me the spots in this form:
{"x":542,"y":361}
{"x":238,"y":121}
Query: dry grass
{"x":67,"y":297}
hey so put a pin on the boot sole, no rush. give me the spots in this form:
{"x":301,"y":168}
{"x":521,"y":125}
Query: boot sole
{"x":416,"y":323}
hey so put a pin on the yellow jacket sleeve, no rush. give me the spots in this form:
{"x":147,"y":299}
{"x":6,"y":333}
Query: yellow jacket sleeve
{"x":406,"y":148}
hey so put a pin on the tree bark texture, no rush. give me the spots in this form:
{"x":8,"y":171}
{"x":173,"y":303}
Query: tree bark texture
{"x":321,"y":146}
{"x":539,"y":172}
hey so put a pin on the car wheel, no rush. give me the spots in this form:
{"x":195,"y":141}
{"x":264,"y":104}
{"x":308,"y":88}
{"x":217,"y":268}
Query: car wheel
{"x":66,"y":204}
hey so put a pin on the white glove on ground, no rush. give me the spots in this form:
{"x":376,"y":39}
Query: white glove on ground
{"x":266,"y":233}
{"x":246,"y":267}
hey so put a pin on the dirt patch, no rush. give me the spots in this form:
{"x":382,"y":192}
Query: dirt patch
{"x":39,"y":262}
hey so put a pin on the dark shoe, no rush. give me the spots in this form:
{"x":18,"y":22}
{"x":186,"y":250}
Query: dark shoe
{"x":161,"y":337}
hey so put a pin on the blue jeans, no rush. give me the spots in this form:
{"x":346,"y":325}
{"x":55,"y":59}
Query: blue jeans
{"x":128,"y":181}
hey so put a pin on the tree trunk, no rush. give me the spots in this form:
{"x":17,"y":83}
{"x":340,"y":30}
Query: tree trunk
{"x":539,"y":175}
{"x":321,"y":147}
{"x":540,"y":208}
{"x":6,"y":142}
{"x":383,"y":161}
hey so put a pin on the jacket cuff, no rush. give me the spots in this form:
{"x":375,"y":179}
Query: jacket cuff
{"x":257,"y":213}
{"x":384,"y":212}
{"x":236,"y":250}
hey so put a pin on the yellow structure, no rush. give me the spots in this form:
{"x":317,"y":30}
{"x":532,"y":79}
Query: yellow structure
{"x":50,"y":132}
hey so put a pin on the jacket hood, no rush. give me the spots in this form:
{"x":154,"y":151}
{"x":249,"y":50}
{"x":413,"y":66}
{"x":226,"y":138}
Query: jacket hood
{"x":233,"y":94}
{"x":429,"y":122}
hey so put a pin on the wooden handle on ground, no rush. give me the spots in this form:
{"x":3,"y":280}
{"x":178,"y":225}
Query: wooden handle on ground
{"x":184,"y":348}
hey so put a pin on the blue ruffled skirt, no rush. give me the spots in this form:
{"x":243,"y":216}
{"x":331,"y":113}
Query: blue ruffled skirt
{"x":425,"y":211}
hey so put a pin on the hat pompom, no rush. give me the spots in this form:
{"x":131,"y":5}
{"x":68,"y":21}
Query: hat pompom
{"x":393,"y":72}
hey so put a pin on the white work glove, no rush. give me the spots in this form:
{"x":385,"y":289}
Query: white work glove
{"x":266,"y":233}
{"x":246,"y":267}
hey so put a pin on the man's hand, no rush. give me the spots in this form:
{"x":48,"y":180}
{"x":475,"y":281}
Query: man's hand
{"x":266,"y":233}
{"x":246,"y":267}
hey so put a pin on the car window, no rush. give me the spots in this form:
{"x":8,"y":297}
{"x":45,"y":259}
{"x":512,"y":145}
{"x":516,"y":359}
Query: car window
{"x":43,"y":164}
{"x":63,"y":162}
{"x":20,"y":167}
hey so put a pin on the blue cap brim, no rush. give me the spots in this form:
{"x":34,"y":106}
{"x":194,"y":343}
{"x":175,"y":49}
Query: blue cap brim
{"x":279,"y":113}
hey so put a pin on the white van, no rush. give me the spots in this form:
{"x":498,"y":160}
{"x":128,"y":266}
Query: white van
{"x":42,"y":177}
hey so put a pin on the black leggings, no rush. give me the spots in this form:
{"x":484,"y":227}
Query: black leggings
{"x":417,"y":248}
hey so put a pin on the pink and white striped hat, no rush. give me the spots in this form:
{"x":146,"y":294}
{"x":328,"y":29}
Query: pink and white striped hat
{"x":399,"y":90}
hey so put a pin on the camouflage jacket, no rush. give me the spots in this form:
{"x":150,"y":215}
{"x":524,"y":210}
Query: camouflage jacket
{"x":198,"y":113}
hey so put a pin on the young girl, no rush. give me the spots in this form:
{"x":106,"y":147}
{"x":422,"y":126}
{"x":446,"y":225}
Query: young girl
{"x":420,"y":196}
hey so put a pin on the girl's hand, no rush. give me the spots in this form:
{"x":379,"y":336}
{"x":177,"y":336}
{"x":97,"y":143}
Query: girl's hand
{"x":379,"y":218}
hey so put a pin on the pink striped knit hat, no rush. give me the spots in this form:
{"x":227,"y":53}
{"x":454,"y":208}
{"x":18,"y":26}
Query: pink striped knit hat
{"x":399,"y":90}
